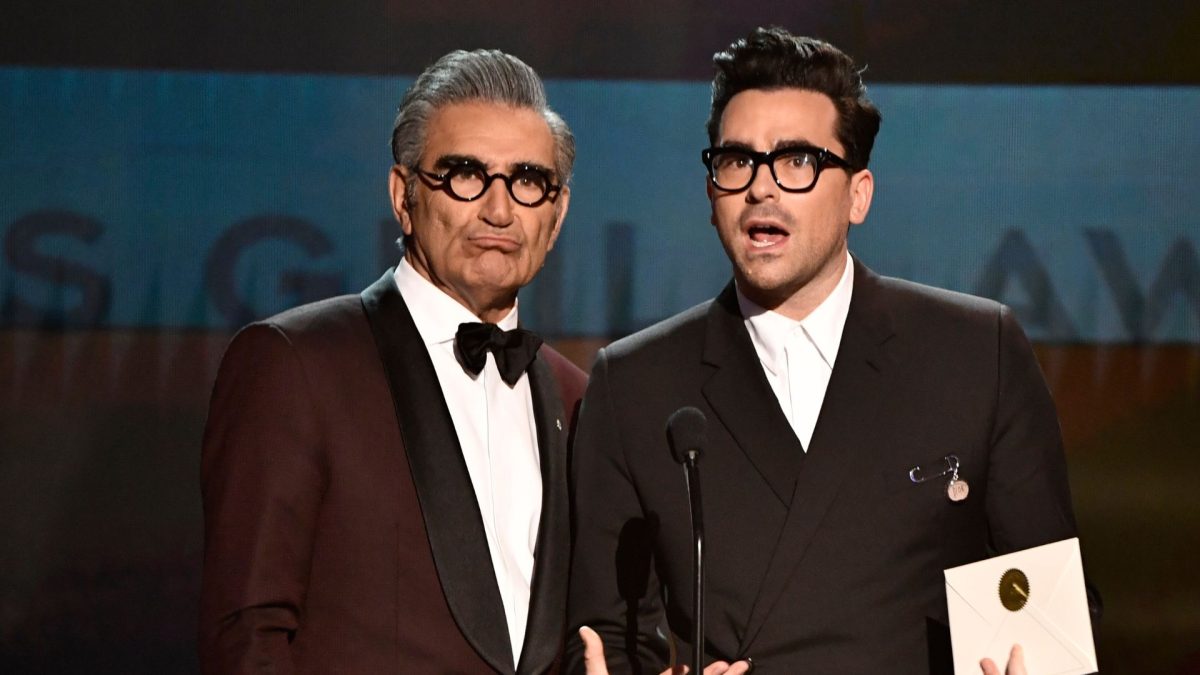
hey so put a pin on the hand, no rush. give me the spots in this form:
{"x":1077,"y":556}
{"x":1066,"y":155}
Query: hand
{"x":593,"y":659}
{"x":1016,"y":664}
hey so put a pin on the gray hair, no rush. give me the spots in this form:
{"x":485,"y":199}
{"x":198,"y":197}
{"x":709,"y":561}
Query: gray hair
{"x":482,"y":75}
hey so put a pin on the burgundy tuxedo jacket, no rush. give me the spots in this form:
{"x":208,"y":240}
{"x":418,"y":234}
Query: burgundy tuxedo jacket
{"x":342,"y":533}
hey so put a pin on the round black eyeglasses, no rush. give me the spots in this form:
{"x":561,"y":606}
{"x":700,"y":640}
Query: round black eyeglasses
{"x":528,"y":185}
{"x":795,"y":168}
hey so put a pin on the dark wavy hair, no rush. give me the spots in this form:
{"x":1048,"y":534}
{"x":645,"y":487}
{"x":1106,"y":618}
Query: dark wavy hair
{"x":773,"y":58}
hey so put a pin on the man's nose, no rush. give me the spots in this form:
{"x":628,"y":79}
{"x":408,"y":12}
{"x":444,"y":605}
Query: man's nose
{"x":762,"y":185}
{"x":496,"y":204}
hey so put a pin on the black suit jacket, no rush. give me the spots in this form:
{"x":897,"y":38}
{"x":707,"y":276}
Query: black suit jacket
{"x":342,"y":533}
{"x":828,"y":561}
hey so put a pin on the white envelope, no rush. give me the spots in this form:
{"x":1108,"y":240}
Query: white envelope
{"x":1053,"y":626}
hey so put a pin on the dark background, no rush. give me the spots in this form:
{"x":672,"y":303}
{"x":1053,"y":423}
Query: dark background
{"x":1017,"y":41}
{"x":106,"y":579}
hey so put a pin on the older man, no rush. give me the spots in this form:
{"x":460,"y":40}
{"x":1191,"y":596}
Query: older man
{"x":384,"y":474}
{"x":864,"y":433}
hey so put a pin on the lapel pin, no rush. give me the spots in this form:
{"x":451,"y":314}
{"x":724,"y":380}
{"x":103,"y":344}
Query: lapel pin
{"x":956,"y":488}
{"x":558,"y":423}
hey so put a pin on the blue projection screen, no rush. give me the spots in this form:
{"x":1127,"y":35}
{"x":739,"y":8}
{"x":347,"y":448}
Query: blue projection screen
{"x":201,"y":201}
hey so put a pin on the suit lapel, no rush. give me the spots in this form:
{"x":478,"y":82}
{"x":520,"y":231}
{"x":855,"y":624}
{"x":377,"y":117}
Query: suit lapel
{"x":548,"y":595}
{"x":842,"y":433}
{"x":452,"y":518}
{"x":742,"y":398}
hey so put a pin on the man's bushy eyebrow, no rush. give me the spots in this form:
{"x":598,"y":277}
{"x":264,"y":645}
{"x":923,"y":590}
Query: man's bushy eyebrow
{"x":452,"y":160}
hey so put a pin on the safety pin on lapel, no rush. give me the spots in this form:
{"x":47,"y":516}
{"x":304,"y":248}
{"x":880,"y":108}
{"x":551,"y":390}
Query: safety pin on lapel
{"x":956,"y":488}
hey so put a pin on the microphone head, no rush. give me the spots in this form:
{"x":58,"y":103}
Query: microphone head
{"x":687,"y":433}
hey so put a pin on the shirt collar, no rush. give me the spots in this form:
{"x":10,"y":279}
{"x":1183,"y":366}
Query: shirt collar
{"x":824,"y":325}
{"x":436,"y":314}
{"x":769,"y":330}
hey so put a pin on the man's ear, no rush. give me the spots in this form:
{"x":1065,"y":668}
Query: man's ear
{"x":560,"y":214}
{"x":397,"y":188}
{"x":862,"y":188}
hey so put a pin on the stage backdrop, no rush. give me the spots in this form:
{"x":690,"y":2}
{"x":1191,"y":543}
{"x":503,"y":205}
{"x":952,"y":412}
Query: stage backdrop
{"x":203,"y":201}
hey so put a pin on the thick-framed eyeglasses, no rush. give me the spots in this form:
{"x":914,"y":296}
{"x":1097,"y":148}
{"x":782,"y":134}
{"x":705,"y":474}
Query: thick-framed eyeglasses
{"x":795,"y":168}
{"x":528,"y":185}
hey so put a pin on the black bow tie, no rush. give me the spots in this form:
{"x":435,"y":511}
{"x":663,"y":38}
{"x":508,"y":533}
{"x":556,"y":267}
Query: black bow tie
{"x":514,"y":349}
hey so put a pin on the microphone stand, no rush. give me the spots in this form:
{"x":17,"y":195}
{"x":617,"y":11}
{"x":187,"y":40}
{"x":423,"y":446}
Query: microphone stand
{"x":692,"y":476}
{"x":686,"y":436}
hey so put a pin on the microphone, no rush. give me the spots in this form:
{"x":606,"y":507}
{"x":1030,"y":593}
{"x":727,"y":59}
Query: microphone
{"x":686,"y":434}
{"x":686,"y":429}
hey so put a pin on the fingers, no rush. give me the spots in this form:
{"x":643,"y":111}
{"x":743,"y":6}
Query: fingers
{"x":594,"y":663}
{"x":740,"y":668}
{"x":593,"y":652}
{"x":724,"y":668}
{"x":1016,"y":661}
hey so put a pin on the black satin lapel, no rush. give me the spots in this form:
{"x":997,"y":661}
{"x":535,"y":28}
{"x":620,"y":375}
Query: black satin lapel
{"x":548,"y":595}
{"x":448,"y":506}
{"x":842,"y":435}
{"x":742,"y":398}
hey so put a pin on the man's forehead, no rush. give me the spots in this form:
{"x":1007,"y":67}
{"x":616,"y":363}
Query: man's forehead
{"x":493,"y":133}
{"x":771,"y":117}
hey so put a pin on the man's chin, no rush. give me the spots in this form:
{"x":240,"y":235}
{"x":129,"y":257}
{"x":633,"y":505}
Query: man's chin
{"x":766,"y":287}
{"x":764,"y":272}
{"x":499,"y":279}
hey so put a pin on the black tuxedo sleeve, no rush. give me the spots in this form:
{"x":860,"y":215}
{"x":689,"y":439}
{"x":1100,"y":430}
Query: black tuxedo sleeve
{"x":1028,"y":497}
{"x":614,"y":588}
{"x":1028,"y":501}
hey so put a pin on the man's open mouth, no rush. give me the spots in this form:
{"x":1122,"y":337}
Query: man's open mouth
{"x":762,"y":236}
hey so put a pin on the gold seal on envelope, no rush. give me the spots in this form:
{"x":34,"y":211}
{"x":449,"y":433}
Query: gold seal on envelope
{"x":1014,"y":589}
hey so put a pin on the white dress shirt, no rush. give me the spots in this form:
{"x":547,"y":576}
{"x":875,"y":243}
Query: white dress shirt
{"x":497,"y":432}
{"x":798,"y":356}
